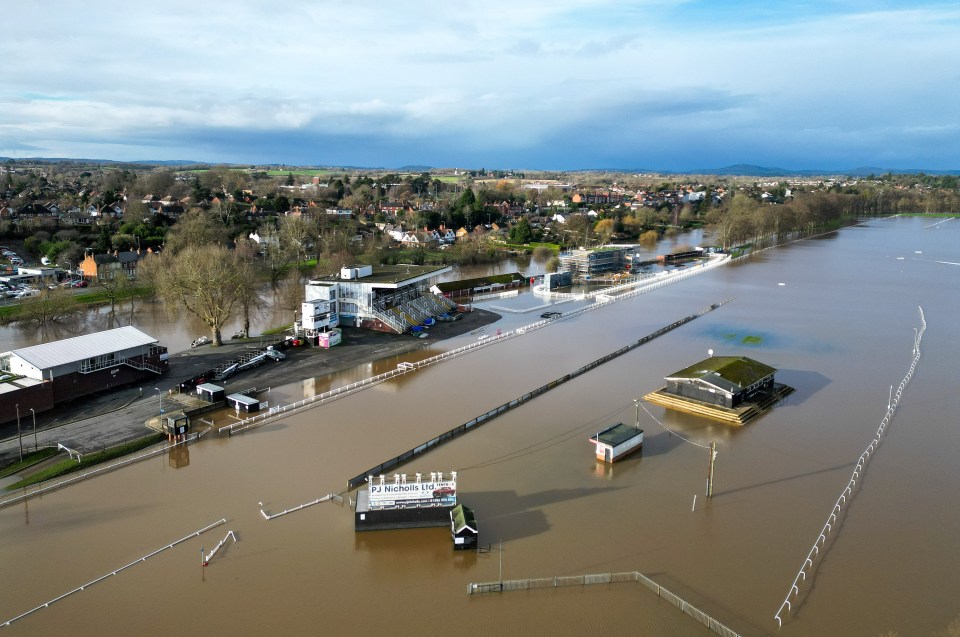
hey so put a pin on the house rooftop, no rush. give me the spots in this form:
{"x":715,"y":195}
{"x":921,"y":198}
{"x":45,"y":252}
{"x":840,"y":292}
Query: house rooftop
{"x":463,"y":518}
{"x":617,"y":435}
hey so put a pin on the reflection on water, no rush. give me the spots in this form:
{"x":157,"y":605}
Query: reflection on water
{"x":531,"y":477}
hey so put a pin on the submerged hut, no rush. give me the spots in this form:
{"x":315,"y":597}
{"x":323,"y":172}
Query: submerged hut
{"x":463,"y":528}
{"x":617,"y":442}
{"x":732,"y":389}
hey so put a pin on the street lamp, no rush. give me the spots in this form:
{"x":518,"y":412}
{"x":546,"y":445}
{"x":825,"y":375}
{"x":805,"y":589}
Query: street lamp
{"x":19,"y":435}
{"x":159,"y":399}
{"x":35,"y":447}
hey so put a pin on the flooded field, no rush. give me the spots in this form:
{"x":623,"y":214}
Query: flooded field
{"x":836,"y":315}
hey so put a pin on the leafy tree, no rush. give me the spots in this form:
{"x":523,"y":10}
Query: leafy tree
{"x":521,"y":232}
{"x":604,"y":229}
{"x":123,"y":242}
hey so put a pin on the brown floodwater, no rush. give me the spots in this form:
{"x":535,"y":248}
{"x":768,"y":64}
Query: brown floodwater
{"x":836,"y":316}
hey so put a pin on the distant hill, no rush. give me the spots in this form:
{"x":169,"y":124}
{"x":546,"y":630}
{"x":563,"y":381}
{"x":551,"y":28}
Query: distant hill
{"x":74,"y":160}
{"x":414,"y":169}
{"x":750,"y":170}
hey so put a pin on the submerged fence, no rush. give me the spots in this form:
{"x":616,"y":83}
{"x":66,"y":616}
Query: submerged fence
{"x":122,"y":568}
{"x":301,"y":507}
{"x":604,"y":578}
{"x":609,"y":294}
{"x":809,"y":563}
{"x":53,"y":484}
{"x":456,"y":432}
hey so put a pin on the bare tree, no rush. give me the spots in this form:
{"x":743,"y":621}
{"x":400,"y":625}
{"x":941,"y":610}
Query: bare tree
{"x":48,"y":307}
{"x":195,"y":228}
{"x":207,"y":281}
{"x":250,"y":269}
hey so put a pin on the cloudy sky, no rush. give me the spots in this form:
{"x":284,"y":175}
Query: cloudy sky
{"x":559,"y":84}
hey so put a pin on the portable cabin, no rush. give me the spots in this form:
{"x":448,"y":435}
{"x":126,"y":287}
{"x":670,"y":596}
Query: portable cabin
{"x":463,"y":528}
{"x":175,"y":423}
{"x":243,"y":403}
{"x":617,"y":442}
{"x":210,"y":393}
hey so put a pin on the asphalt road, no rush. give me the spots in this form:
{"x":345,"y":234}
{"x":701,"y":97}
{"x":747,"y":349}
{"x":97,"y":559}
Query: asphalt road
{"x":103,"y":420}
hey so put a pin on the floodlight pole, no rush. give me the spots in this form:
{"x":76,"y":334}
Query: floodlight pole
{"x":35,"y":446}
{"x":19,"y":433}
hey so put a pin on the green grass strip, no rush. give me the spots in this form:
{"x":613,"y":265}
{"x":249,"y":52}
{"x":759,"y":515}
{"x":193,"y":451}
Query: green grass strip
{"x":68,"y":466}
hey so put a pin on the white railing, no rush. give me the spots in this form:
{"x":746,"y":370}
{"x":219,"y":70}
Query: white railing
{"x":122,"y":568}
{"x":300,"y":507}
{"x":314,"y":401}
{"x":809,"y":563}
{"x":496,"y":295}
{"x":208,"y":557}
{"x":48,"y":486}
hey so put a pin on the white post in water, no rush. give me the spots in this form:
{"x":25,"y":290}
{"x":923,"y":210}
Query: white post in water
{"x":694,"y":506}
{"x":890,"y":398}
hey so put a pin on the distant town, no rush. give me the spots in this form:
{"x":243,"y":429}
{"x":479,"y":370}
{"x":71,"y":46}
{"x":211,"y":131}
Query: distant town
{"x":85,"y":222}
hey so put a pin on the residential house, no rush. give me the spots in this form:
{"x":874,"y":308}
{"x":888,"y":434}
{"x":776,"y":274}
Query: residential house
{"x":340,"y":213}
{"x":110,"y":265}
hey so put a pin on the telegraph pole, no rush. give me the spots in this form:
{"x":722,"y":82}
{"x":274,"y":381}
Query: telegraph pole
{"x":713,"y":457}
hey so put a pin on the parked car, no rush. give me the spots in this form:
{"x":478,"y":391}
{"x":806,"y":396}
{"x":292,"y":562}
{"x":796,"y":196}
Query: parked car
{"x":80,"y":284}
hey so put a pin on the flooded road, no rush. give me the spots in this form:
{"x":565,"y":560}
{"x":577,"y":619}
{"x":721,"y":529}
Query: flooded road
{"x":836,"y":315}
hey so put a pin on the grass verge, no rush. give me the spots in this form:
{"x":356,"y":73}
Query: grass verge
{"x":29,"y":460}
{"x":65,"y":467}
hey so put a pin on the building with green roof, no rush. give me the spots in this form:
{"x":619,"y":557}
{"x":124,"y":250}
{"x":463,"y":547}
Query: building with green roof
{"x":726,"y":381}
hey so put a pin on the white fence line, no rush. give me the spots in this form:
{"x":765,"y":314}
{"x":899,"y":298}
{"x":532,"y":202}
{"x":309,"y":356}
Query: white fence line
{"x":847,"y":494}
{"x":634,"y":289}
{"x":122,"y":568}
{"x":46,"y":487}
{"x":300,"y":507}
{"x":207,"y":558}
{"x":496,"y":295}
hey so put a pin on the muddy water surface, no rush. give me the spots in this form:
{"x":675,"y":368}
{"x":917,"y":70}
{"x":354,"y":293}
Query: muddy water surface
{"x":835,"y":315}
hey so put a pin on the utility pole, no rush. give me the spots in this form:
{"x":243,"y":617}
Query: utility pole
{"x":636,"y":401}
{"x":713,"y":457}
{"x":501,"y":566}
{"x":19,"y":433}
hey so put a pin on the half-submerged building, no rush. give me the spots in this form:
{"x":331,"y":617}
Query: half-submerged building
{"x":731,"y":389}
